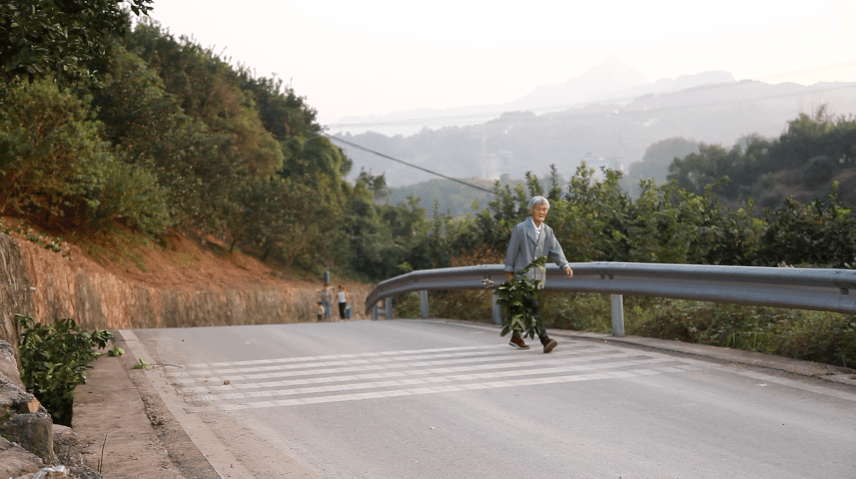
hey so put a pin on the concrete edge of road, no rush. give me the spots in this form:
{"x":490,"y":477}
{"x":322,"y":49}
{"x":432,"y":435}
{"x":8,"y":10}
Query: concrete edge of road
{"x":826,"y":372}
{"x":182,"y":450}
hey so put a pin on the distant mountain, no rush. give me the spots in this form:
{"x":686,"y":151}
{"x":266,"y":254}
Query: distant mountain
{"x":609,"y":80}
{"x":608,"y":133}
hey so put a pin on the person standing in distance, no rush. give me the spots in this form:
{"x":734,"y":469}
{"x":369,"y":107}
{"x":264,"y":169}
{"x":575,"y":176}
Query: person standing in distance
{"x":326,"y":295}
{"x":530,"y":240}
{"x":342,"y":299}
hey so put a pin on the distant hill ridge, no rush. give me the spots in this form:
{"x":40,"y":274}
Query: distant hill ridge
{"x":611,"y":134}
{"x":611,"y":79}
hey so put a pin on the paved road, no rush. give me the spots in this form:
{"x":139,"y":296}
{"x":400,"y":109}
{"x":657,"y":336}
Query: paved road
{"x":433,"y":399}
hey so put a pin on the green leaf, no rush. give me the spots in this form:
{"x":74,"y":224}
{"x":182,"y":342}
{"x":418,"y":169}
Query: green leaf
{"x":142,"y":364}
{"x":511,"y":296}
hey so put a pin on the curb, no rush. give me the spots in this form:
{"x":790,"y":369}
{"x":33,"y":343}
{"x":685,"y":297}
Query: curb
{"x":183,"y":453}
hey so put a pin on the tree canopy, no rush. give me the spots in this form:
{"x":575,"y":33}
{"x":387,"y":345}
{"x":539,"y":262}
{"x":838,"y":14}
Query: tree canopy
{"x":135,"y":127}
{"x":40,"y":37}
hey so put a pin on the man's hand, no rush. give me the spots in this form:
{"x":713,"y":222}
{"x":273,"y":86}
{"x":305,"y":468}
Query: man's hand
{"x":509,"y":275}
{"x":569,"y":271}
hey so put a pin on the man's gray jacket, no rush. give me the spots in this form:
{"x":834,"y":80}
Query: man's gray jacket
{"x":524,"y":249}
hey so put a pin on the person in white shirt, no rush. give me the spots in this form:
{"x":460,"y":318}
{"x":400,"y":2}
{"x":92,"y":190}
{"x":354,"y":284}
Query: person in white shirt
{"x":342,"y":297}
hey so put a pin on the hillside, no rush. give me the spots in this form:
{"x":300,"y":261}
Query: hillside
{"x":179,"y":266}
{"x":612,"y":134}
{"x":179,"y":263}
{"x":789,"y":183}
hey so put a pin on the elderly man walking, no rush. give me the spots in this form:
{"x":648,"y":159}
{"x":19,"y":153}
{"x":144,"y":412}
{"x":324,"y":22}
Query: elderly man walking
{"x":530,"y":240}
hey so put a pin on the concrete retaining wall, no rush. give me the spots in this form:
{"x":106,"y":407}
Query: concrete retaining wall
{"x":15,"y":293}
{"x":48,"y":287}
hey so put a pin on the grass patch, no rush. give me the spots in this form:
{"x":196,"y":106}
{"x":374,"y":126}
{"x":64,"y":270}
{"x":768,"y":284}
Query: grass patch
{"x":117,"y":245}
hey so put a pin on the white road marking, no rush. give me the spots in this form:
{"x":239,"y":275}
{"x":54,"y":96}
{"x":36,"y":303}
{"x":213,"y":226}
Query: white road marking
{"x":355,"y":377}
{"x":505,"y":363}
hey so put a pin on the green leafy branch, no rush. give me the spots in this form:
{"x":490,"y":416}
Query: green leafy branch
{"x":54,"y":360}
{"x":511,"y":296}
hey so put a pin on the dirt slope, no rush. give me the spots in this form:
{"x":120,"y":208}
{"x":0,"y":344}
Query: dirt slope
{"x":178,"y":263}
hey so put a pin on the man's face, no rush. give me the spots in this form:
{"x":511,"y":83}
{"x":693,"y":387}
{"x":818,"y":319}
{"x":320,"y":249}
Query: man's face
{"x":539,"y":213}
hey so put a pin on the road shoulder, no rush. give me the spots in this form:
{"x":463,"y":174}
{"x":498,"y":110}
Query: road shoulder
{"x":118,"y":411}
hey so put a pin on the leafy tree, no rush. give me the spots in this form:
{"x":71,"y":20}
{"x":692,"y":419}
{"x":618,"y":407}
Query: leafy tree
{"x":363,"y":228}
{"x":212,"y":146}
{"x":135,"y":107}
{"x":283,"y":113}
{"x":698,"y":170}
{"x":555,"y":192}
{"x":131,"y":195}
{"x":655,"y":162}
{"x":209,"y":89}
{"x":804,"y":139}
{"x":595,"y":225}
{"x":51,"y":153}
{"x":53,"y":37}
{"x":667,"y":224}
{"x":278,"y":219}
{"x":493,"y":226}
{"x":315,"y":167}
{"x":152,"y":131}
{"x":813,"y":147}
{"x":822,"y":234}
{"x":735,"y":237}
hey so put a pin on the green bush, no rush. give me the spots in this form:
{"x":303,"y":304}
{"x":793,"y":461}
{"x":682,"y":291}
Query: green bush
{"x":818,"y":336}
{"x":54,"y":360}
{"x":473,"y":304}
{"x":576,"y":311}
{"x":408,"y":305}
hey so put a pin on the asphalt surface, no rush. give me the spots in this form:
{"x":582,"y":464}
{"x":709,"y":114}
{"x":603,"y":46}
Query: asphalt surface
{"x":145,"y":423}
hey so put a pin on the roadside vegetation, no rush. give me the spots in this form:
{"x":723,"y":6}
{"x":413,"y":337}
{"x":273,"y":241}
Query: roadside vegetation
{"x":817,"y":336}
{"x":54,"y":361}
{"x":128,"y":128}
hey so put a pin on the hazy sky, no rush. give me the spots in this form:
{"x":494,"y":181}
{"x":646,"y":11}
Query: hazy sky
{"x":380,"y":56}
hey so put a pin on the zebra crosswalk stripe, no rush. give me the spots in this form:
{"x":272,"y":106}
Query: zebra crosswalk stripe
{"x":283,"y":382}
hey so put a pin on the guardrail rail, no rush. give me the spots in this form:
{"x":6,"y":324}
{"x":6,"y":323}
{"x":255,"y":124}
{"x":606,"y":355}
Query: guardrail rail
{"x":798,"y":288}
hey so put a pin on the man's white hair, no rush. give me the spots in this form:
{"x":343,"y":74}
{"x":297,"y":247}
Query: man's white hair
{"x":538,"y":200}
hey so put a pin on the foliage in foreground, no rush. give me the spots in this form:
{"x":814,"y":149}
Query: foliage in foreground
{"x":512,"y":295}
{"x":817,"y":336}
{"x":54,"y":360}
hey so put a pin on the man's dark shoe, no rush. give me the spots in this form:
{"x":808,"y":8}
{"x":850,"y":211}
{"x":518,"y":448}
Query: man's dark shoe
{"x":549,"y":344}
{"x":518,"y":343}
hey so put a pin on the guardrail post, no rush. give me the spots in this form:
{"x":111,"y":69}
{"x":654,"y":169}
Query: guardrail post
{"x":374,"y":312}
{"x":423,"y":303}
{"x":617,"y":301}
{"x":495,"y":309}
{"x":388,"y":303}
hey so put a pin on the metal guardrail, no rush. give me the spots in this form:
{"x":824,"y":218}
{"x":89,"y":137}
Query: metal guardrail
{"x":798,"y":288}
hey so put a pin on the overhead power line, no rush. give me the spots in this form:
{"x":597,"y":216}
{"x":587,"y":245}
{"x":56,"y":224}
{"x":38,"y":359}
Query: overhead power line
{"x":336,"y":138}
